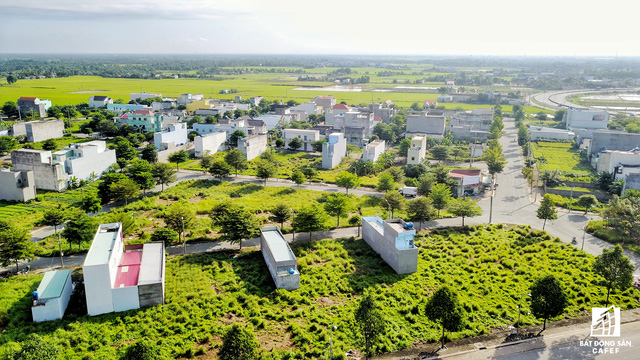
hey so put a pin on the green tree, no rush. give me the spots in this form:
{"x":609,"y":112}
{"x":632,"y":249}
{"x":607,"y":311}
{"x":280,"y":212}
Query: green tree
{"x":495,"y":160}
{"x":237,"y":224}
{"x":384,"y":132}
{"x":10,"y":108}
{"x":179,"y":217}
{"x":265,"y":169}
{"x":547,"y":210}
{"x":235,"y":136}
{"x":280,"y":213}
{"x":440,"y":152}
{"x":15,"y":245}
{"x":337,"y":205}
{"x":49,"y":144}
{"x":143,"y":349}
{"x":317,"y":145}
{"x":91,"y":203}
{"x":443,"y":307}
{"x":236,"y":159}
{"x":163,"y":173}
{"x":394,"y":201}
{"x":104,"y":187}
{"x":386,"y":182}
{"x":615,"y":268}
{"x":207,"y":159}
{"x":464,"y":207}
{"x":36,"y":348}
{"x":7,"y":144}
{"x":440,"y":196}
{"x":141,"y":172}
{"x":311,"y":218}
{"x":79,"y":229}
{"x":166,"y":235}
{"x":295,"y":144}
{"x":220,"y":169}
{"x":456,"y":152}
{"x":179,"y":157}
{"x":239,"y":343}
{"x":124,"y":190}
{"x":425,"y":183}
{"x":356,"y":220}
{"x":11,"y":79}
{"x":309,"y":172}
{"x":403,"y":149}
{"x":150,"y":154}
{"x":587,"y":202}
{"x":370,"y":324}
{"x":523,"y":135}
{"x":420,"y":210}
{"x":548,"y":299}
{"x":124,"y":151}
{"x":397,"y":173}
{"x":347,"y":180}
{"x":54,"y":217}
{"x":298,"y":177}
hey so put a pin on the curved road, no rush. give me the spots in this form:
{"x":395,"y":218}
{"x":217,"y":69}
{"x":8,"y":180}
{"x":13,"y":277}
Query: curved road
{"x":557,"y":99}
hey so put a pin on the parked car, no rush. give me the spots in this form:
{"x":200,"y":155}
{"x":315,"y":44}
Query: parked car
{"x":409,"y":191}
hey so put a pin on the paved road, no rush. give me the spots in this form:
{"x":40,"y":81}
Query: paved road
{"x":555,"y":100}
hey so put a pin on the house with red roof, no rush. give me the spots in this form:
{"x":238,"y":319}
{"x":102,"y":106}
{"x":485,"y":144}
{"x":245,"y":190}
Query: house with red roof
{"x":469,"y":181}
{"x":31,"y":106}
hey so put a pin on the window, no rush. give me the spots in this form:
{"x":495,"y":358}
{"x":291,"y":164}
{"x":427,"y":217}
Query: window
{"x":413,"y":158}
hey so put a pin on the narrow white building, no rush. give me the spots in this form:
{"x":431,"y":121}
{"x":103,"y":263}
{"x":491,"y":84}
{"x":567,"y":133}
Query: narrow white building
{"x":540,"y":132}
{"x":280,"y":260}
{"x":307,"y":137}
{"x":418,"y":150}
{"x":175,"y":135}
{"x":118,"y":277}
{"x":586,"y":119}
{"x":17,"y":185}
{"x":51,"y":298}
{"x":254,"y":145}
{"x":334,"y":150}
{"x":373,"y":150}
{"x":394,"y":241}
{"x":212,"y":142}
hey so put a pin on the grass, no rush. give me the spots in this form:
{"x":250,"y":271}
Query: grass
{"x":489,"y":266}
{"x":599,"y":229}
{"x":560,"y":156}
{"x":273,"y":86}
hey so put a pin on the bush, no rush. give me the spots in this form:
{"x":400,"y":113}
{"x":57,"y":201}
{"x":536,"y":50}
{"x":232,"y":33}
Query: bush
{"x":166,"y":235}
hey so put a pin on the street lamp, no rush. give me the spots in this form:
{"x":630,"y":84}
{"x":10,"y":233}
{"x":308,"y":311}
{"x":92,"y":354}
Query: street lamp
{"x":570,"y":199}
{"x":389,"y":206}
{"x":293,"y":224}
{"x":519,"y":311}
{"x":331,"y":328}
{"x":184,"y":243}
{"x":60,"y":246}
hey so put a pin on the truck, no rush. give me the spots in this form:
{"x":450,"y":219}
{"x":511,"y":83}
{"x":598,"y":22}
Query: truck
{"x":409,"y":191}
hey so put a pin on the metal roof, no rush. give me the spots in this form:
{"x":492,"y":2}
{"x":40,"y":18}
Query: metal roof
{"x":102,"y":245}
{"x":53,"y":283}
{"x":278,"y":246}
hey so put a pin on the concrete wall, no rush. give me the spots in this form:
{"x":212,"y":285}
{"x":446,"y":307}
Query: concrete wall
{"x":373,"y":150}
{"x":151,"y":294}
{"x":608,"y":161}
{"x":97,"y":286}
{"x":586,"y":119}
{"x":90,"y":158}
{"x":125,"y":298}
{"x":383,"y":239}
{"x":17,"y":185}
{"x":253,"y":145}
{"x":334,"y":151}
{"x":48,"y":176}
{"x":163,"y":155}
{"x":43,"y":130}
{"x":612,"y":140}
{"x":212,"y":142}
{"x":19,"y":128}
{"x":176,"y":133}
{"x":426,"y":124}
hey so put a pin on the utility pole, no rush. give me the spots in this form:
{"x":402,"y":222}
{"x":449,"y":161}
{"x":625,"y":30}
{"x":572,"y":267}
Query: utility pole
{"x":493,"y":192}
{"x":184,"y":243}
{"x":293,"y":225}
{"x":60,"y":245}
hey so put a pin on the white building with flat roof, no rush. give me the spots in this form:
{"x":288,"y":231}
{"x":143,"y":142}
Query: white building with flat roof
{"x":119,"y":277}
{"x":334,"y":150}
{"x":254,"y":145}
{"x":212,"y":142}
{"x":17,"y":185}
{"x":418,"y":150}
{"x":373,"y":150}
{"x":540,"y":132}
{"x":175,"y":135}
{"x":86,"y":160}
{"x":585,"y":119}
{"x":307,"y":137}
{"x":51,"y":298}
{"x":394,"y":241}
{"x":143,"y":95}
{"x":280,"y":260}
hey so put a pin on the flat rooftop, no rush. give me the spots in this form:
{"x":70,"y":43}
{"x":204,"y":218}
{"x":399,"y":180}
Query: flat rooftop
{"x":375,"y":222}
{"x":52,"y":284}
{"x":151,"y":263}
{"x":397,"y":226}
{"x":102,"y":245}
{"x":278,"y":246}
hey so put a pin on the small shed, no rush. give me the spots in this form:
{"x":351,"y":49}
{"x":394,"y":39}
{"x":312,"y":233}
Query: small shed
{"x":281,"y":261}
{"x":52,"y":297}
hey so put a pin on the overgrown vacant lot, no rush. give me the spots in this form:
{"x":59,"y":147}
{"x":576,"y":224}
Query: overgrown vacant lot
{"x":560,"y":156}
{"x":489,"y":267}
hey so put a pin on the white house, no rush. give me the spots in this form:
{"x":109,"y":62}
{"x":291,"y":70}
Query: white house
{"x":539,"y":132}
{"x":175,"y":135}
{"x":586,"y":119}
{"x":16,"y":185}
{"x":418,"y":150}
{"x":307,"y":137}
{"x":143,"y":95}
{"x":430,"y":123}
{"x":619,"y":163}
{"x":212,"y":142}
{"x":86,"y":160}
{"x":189,"y":98}
{"x":99,"y":101}
{"x":373,"y":150}
{"x":254,"y":145}
{"x":119,"y":277}
{"x":334,"y":150}
{"x":280,"y":260}
{"x":51,"y":298}
{"x":394,"y":241}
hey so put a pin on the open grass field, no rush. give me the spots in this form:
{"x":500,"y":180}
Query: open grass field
{"x":560,"y":156}
{"x":489,"y":267}
{"x":273,"y":86}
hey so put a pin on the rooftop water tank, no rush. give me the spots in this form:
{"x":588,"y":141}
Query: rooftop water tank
{"x":291,"y":271}
{"x":35,"y":295}
{"x":408,"y":225}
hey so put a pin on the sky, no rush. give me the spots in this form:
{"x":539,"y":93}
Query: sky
{"x":400,"y":27}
